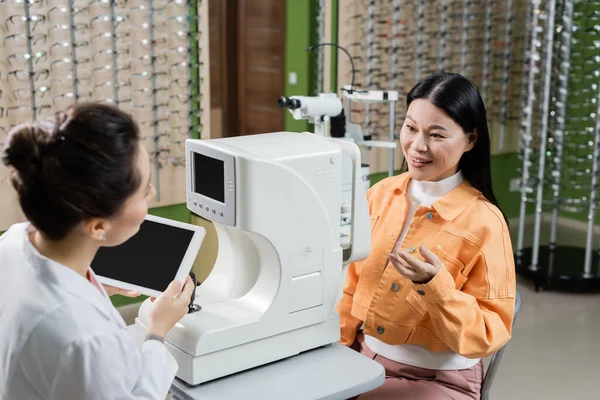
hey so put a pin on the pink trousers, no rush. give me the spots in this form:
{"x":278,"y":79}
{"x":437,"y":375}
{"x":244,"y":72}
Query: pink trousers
{"x":414,"y":383}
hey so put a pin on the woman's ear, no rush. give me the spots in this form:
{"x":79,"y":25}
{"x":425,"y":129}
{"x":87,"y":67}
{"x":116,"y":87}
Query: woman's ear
{"x":471,"y":140}
{"x":96,"y":228}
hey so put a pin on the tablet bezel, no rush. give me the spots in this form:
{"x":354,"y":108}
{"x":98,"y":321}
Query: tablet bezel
{"x":184,"y":268}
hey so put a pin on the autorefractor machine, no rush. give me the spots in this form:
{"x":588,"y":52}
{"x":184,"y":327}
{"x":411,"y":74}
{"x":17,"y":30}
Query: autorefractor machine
{"x":276,"y":203}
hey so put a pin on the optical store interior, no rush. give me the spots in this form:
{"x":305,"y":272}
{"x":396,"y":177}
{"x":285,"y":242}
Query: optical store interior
{"x":299,"y":199}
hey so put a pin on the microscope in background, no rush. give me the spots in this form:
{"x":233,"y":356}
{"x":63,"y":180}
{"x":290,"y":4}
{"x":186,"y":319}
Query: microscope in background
{"x":318,"y":110}
{"x":326,"y":113}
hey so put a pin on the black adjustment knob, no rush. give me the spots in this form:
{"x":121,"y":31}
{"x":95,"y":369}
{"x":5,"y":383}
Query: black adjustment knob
{"x":193,"y":307}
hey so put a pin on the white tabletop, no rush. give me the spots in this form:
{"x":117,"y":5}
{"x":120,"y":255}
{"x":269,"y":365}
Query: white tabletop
{"x":329,"y":373}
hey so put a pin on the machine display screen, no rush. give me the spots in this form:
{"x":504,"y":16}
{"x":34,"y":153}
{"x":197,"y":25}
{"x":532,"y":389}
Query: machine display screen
{"x":151,"y":258}
{"x":209,"y":177}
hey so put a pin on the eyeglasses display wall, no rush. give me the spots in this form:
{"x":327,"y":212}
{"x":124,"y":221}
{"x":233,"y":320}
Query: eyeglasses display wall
{"x":144,"y":56}
{"x":395,"y":43}
{"x":560,"y":143}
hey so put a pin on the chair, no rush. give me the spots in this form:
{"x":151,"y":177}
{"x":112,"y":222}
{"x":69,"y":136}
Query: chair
{"x":486,"y":385}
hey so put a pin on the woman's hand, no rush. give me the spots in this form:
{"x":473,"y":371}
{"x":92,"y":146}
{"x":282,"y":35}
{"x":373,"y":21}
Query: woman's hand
{"x":414,"y":269}
{"x":170,"y":307}
{"x":111,"y":290}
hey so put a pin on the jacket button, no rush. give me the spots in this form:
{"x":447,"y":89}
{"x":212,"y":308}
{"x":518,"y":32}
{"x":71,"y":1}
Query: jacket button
{"x":395,"y":287}
{"x":422,"y":293}
{"x":429,"y":215}
{"x":380,"y":330}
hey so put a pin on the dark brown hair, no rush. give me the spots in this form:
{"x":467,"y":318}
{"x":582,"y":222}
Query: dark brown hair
{"x":76,"y":165}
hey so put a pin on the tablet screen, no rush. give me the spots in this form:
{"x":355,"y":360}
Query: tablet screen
{"x":151,"y":258}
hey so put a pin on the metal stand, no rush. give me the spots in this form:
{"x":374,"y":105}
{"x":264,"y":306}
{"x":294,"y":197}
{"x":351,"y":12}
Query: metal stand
{"x":115,"y":64}
{"x":569,"y":141}
{"x":151,"y":12}
{"x":369,"y":97}
{"x":30,"y":60}
{"x":487,"y":51}
{"x":505,"y":76}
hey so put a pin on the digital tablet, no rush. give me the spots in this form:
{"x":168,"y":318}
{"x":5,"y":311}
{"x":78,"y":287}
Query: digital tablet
{"x":163,"y":250}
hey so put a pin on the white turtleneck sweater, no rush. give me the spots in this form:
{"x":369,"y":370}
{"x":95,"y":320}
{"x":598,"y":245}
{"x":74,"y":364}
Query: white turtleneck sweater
{"x":422,"y":194}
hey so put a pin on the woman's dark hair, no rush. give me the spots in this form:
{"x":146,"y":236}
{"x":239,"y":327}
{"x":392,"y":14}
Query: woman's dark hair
{"x":75,"y":165}
{"x":459,"y":98}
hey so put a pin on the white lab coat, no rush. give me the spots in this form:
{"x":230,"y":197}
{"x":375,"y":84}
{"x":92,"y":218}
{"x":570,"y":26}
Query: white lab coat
{"x":61,"y":338}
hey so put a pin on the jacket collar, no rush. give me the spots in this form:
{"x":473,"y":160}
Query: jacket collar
{"x":61,"y":277}
{"x":449,"y":206}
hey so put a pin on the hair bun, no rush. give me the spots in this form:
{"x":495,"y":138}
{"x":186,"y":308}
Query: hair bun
{"x":24,"y":151}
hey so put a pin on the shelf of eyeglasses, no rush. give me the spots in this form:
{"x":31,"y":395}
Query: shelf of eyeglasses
{"x":533,"y":162}
{"x":177,"y":26}
{"x":62,"y":53}
{"x":172,"y":93}
{"x":574,"y":124}
{"x":380,"y":66}
{"x":451,"y":36}
{"x":172,"y":103}
{"x":577,"y":124}
{"x":94,"y":82}
{"x":401,"y":5}
{"x":573,"y":160}
{"x":166,"y":128}
{"x":569,"y":195}
{"x":99,"y":36}
{"x":410,"y":49}
{"x":553,"y":159}
{"x":147,"y":127}
{"x":551,"y":199}
{"x":573,"y":141}
{"x":167,"y":122}
{"x":584,"y":94}
{"x":407,"y":52}
{"x":127,"y":72}
{"x":371,"y":35}
{"x":553,"y":172}
{"x":577,"y":121}
{"x":583,"y":71}
{"x":80,"y":6}
{"x":570,"y":203}
{"x":582,"y":53}
{"x":583,"y":84}
{"x":176,"y":89}
{"x":532,"y":165}
{"x":567,"y":158}
{"x":551,"y":154}
{"x":83,"y":38}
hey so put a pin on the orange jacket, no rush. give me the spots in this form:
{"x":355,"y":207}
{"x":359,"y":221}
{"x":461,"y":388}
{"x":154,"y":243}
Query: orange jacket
{"x":467,"y":307}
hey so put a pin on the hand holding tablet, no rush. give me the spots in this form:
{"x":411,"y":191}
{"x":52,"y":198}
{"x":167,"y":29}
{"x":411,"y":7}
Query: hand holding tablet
{"x":156,"y":262}
{"x":170,"y":307}
{"x":162,"y":251}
